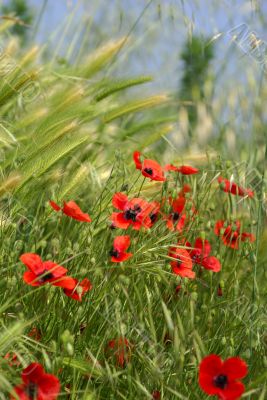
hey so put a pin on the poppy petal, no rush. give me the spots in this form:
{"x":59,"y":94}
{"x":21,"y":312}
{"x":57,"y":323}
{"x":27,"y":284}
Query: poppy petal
{"x":119,"y":221}
{"x":138,"y":225}
{"x":178,"y":204}
{"x":185,"y":189}
{"x":211,"y":263}
{"x":169,"y":224}
{"x":188,"y":170}
{"x":65,"y":282}
{"x":49,"y":387}
{"x":204,"y":246}
{"x":233,"y":391}
{"x":235,"y":368}
{"x":20,"y":392}
{"x":121,"y":243}
{"x":33,"y":262}
{"x":183,"y":272}
{"x":86,"y":284}
{"x":71,"y":209}
{"x":54,"y":205}
{"x":137,"y":161}
{"x":119,"y":200}
{"x":207,"y":385}
{"x":218,"y":226}
{"x":31,"y":279}
{"x":56,"y":270}
{"x":157,"y":171}
{"x":181,"y":223}
{"x":32,"y":373}
{"x":170,"y":167}
{"x":211,"y":365}
{"x":122,"y":257}
{"x":250,"y":193}
{"x":249,"y":236}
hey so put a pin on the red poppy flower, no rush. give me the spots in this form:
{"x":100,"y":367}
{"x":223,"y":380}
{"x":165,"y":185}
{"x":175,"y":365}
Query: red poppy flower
{"x":183,"y":169}
{"x":149,"y":168}
{"x":78,"y":289}
{"x":135,"y":212}
{"x":185,"y":189}
{"x":156,"y":395}
{"x":72,"y":210}
{"x":41,"y":272}
{"x":222,"y":378}
{"x":178,"y":289}
{"x":120,"y":245}
{"x":231,"y":187}
{"x":182,"y":265}
{"x":200,"y":254}
{"x":120,"y":349}
{"x":36,"y":384}
{"x":231,"y":235}
{"x":35,"y":333}
{"x":176,"y":219}
{"x":154,"y":213}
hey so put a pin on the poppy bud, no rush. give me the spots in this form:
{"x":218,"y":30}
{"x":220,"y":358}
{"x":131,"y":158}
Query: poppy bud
{"x":209,"y":225}
{"x":70,"y":349}
{"x":212,"y":206}
{"x":194,"y":296}
{"x":53,"y":345}
{"x":174,"y":194}
{"x":124,"y":187}
{"x":247,"y":354}
{"x":156,"y":395}
{"x":202,"y":235}
{"x":76,"y":247}
{"x":68,"y":251}
{"x":42,"y":244}
{"x":82,"y":327}
{"x":178,"y":288}
{"x":55,"y":243}
{"x":219,"y":291}
{"x":19,"y":245}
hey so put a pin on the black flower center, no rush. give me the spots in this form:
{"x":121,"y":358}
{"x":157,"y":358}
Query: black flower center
{"x":46,"y":277}
{"x":153,"y":217}
{"x":221,"y":381}
{"x":195,"y":258}
{"x":175,"y":216}
{"x":114,"y":253}
{"x":178,"y":263}
{"x":131,"y":213}
{"x":31,"y":390}
{"x":149,"y":171}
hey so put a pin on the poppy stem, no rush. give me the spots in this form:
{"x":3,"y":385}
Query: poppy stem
{"x":142,"y":184}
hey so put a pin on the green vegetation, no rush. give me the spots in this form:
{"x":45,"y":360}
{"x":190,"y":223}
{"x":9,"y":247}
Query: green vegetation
{"x":68,"y":132}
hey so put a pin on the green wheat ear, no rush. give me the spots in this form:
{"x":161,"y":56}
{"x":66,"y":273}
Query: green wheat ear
{"x":67,"y":115}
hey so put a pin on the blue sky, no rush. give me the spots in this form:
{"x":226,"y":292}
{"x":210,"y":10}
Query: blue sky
{"x":158,"y":31}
